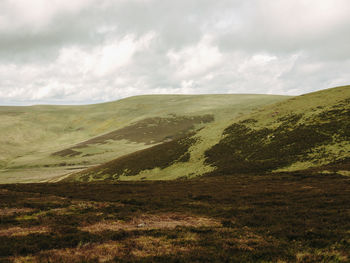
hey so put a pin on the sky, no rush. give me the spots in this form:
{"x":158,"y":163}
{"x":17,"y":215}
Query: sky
{"x":90,"y":51}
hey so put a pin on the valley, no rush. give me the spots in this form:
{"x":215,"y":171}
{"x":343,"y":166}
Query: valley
{"x":178,"y":178}
{"x":40,"y":143}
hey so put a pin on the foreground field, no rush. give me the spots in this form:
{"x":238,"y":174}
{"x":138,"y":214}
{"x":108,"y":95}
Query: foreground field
{"x":285,"y":217}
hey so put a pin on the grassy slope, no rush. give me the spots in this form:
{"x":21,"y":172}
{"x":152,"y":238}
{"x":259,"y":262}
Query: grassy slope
{"x":225,"y":114}
{"x":312,"y":130}
{"x":30,"y":135}
{"x":298,"y":133}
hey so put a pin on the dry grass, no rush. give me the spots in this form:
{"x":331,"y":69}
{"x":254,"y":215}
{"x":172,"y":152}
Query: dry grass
{"x":146,"y":221}
{"x":154,"y":246}
{"x":310,"y":256}
{"x":19,"y":231}
{"x":92,"y":204}
{"x":282,"y":217}
{"x":14,"y":210}
{"x":88,"y":252}
{"x":140,"y":247}
{"x":244,"y":239}
{"x":50,"y":198}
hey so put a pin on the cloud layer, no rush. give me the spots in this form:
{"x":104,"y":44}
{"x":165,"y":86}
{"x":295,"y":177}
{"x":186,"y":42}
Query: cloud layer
{"x":87,"y":51}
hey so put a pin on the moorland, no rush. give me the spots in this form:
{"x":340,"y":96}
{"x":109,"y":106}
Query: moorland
{"x":178,"y":178}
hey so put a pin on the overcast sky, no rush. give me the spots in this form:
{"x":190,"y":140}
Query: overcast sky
{"x":87,"y":51}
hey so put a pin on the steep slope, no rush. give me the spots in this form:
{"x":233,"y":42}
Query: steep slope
{"x":307,"y":131}
{"x":42,"y":142}
{"x":312,"y":130}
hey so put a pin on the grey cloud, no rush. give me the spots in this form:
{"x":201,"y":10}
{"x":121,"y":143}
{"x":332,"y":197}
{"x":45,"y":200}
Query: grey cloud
{"x":178,"y":23}
{"x":196,"y":46}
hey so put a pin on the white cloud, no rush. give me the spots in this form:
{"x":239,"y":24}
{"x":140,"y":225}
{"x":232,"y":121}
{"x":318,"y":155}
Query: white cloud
{"x":36,"y":14}
{"x":258,"y":61}
{"x":119,"y":53}
{"x":74,"y":68}
{"x":105,"y":59}
{"x":303,"y":17}
{"x":82,"y":51}
{"x":195,"y":59}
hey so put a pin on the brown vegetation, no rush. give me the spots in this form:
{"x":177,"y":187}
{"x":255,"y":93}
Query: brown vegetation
{"x":148,"y":131}
{"x":290,"y":217}
{"x":249,"y":149}
{"x":20,"y":231}
{"x":14,"y":210}
{"x":149,"y":221}
{"x":161,"y":156}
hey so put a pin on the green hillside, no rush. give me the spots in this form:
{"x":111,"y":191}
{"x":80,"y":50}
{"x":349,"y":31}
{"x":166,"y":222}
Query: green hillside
{"x":298,"y":133}
{"x":41,"y":143}
{"x":312,"y":130}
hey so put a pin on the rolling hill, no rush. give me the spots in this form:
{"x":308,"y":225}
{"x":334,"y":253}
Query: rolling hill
{"x":311,"y":130}
{"x":305,"y":132}
{"x":42,"y":143}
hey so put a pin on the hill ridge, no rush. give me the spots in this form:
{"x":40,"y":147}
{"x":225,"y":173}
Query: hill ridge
{"x":302,"y":135}
{"x":31,"y":135}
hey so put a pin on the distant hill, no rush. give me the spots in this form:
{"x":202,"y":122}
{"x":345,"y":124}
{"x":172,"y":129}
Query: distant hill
{"x":305,"y":132}
{"x":44,"y":142}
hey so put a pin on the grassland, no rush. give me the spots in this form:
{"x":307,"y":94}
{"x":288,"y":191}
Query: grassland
{"x":307,"y":131}
{"x":298,"y":133}
{"x":285,"y":217}
{"x":42,"y":142}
